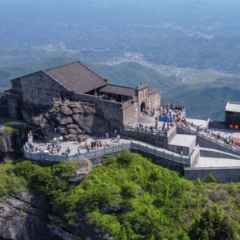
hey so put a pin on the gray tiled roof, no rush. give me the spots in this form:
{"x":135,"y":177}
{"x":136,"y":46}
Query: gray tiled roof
{"x":125,"y":91}
{"x":233,"y":107}
{"x":76,"y":76}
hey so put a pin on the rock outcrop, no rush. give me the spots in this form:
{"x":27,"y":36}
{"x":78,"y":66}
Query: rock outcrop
{"x":83,"y":169}
{"x":11,"y":143}
{"x":24,"y":216}
{"x":29,"y":216}
{"x":71,"y":119}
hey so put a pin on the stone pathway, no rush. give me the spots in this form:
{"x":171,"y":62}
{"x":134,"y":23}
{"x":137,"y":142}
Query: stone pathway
{"x":217,"y":162}
{"x":105,"y":142}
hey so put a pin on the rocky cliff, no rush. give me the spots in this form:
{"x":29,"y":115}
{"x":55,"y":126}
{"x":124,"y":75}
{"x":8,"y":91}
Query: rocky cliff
{"x":11,"y":142}
{"x":24,"y":216}
{"x":70,"y":119}
{"x":29,"y":216}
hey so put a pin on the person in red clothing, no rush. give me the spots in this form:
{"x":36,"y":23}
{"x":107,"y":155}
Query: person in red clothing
{"x":86,"y":144}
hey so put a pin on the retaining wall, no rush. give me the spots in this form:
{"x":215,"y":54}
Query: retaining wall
{"x":217,"y":124}
{"x":212,"y":153}
{"x":223,"y":175}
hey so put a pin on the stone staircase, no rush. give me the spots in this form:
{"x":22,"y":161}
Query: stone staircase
{"x":146,"y":120}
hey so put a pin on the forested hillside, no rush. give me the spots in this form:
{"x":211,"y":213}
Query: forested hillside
{"x":132,"y":198}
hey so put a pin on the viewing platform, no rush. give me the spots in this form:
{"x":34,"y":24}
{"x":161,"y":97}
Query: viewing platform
{"x":109,"y":146}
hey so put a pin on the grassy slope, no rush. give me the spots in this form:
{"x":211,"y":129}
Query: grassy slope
{"x":165,"y":209}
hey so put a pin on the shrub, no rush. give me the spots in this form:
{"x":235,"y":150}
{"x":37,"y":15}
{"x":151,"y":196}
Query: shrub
{"x":210,"y":178}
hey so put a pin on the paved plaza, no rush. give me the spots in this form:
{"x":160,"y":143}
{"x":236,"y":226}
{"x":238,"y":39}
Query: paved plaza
{"x":217,"y":162}
{"x":197,"y":122}
{"x":73,"y":146}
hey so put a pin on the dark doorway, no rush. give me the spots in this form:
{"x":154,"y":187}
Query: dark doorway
{"x":143,"y":106}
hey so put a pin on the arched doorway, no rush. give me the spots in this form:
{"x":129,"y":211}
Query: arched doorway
{"x":142,"y":106}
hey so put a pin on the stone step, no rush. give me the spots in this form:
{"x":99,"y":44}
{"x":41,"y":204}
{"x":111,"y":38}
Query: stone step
{"x":146,"y":119}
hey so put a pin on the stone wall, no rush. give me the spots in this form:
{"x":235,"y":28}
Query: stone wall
{"x":37,"y":89}
{"x":155,"y":98}
{"x":153,"y":138}
{"x":4,"y":111}
{"x":212,"y":153}
{"x":177,"y":149}
{"x":11,"y":102}
{"x":195,"y":157}
{"x":217,"y":124}
{"x":223,"y":175}
{"x":130,"y":112}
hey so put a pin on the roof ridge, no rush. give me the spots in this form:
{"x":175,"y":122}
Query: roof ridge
{"x":60,"y":66}
{"x":120,"y":86}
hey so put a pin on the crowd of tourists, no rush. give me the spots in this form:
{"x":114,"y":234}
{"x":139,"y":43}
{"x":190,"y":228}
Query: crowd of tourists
{"x":54,"y":147}
{"x":173,"y":114}
{"x":229,"y":140}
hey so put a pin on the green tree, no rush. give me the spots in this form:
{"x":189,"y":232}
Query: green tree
{"x":204,"y":235}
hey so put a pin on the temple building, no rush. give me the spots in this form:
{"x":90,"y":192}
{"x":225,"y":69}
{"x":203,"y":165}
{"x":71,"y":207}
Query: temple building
{"x":75,"y":81}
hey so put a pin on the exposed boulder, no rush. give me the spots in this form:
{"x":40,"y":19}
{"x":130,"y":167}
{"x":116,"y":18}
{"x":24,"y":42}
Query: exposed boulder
{"x":85,"y":230}
{"x":32,"y":197}
{"x":25,"y":207}
{"x":62,"y":119}
{"x":71,"y":131}
{"x":74,"y":104}
{"x":57,"y":104}
{"x":60,"y":232}
{"x":49,"y":115}
{"x":83,"y":169}
{"x":62,"y":130}
{"x":91,"y":123}
{"x":89,"y":110}
{"x":78,"y":109}
{"x":75,"y":127}
{"x":43,"y":122}
{"x":66,"y":110}
{"x":218,"y":196}
{"x":70,"y":137}
{"x":140,"y":191}
{"x":113,"y":209}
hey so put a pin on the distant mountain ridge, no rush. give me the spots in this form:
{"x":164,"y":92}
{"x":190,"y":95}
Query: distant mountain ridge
{"x":127,"y":74}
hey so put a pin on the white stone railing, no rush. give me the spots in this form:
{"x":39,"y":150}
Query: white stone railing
{"x":90,"y":154}
{"x":109,"y":150}
{"x":161,"y":153}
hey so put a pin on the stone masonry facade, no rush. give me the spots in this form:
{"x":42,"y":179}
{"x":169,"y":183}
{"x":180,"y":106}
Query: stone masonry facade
{"x":33,"y":94}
